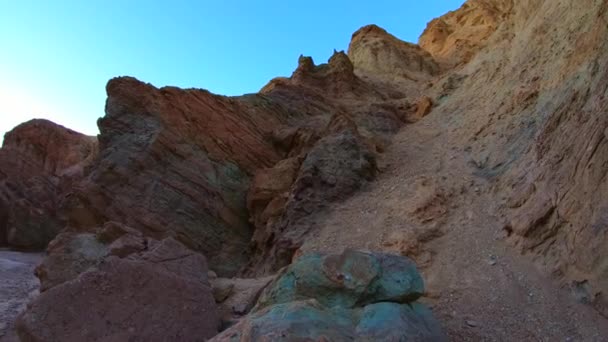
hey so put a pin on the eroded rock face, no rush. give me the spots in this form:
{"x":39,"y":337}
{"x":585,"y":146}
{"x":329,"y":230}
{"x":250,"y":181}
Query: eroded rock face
{"x":337,"y":166}
{"x":39,"y":162}
{"x":178,"y":163}
{"x":376,"y":53}
{"x":536,"y":125}
{"x":557,"y":208}
{"x":350,"y":296}
{"x":456,"y":37}
{"x":158,"y":295}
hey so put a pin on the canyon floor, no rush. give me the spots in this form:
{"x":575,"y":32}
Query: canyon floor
{"x":17,"y":287}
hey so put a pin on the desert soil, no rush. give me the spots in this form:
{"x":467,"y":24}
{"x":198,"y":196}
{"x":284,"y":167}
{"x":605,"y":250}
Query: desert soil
{"x":17,"y":285}
{"x":479,"y":286}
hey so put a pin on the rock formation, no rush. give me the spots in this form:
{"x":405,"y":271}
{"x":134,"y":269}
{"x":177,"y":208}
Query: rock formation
{"x":381,"y":57}
{"x":454,"y":38}
{"x":490,"y":132}
{"x":342,"y":297}
{"x":39,"y":162}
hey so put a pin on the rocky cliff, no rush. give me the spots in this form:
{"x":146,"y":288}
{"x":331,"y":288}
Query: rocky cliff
{"x":487,"y":139}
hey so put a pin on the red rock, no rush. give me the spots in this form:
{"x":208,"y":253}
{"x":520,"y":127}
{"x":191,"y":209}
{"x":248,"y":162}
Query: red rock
{"x":68,"y":255}
{"x":39,"y":162}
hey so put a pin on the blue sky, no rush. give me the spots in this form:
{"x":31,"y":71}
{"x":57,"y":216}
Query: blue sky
{"x":56,"y":56}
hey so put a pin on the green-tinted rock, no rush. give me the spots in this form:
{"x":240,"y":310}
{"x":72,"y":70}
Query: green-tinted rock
{"x":397,"y":322}
{"x":353,"y":296}
{"x":399,"y":281}
{"x":310,"y":321}
{"x":350,"y":279}
{"x":296,"y":321}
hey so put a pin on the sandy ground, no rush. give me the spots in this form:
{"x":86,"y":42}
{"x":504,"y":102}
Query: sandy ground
{"x":17,"y":285}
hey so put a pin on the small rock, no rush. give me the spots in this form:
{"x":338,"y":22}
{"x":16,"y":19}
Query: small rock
{"x":222,"y":288}
{"x":492,"y":260}
{"x":240,"y":309}
{"x":471,"y":323}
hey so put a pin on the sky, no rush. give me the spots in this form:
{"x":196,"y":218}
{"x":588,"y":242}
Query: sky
{"x":57,"y":56}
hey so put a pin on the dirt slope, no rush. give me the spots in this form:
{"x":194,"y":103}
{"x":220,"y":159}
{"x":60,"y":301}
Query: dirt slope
{"x":500,"y":191}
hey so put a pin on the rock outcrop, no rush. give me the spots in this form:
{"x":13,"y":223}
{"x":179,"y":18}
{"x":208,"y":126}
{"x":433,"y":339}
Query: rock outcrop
{"x":454,"y":38}
{"x":381,"y":57}
{"x":39,"y":163}
{"x":351,"y":296}
{"x":178,"y":163}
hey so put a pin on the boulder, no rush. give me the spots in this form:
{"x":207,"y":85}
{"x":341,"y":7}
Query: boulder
{"x":348,"y":280}
{"x":353,"y":296}
{"x":68,"y":255}
{"x":159,"y":295}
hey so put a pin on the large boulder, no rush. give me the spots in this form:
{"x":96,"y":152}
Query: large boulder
{"x":348,"y":280}
{"x":158,"y":295}
{"x":354,"y":296}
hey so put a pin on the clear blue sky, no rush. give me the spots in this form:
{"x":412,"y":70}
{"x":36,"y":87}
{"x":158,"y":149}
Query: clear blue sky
{"x":56,"y":56}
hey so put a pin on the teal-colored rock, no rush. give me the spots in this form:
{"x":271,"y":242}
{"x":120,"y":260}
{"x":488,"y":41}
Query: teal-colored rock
{"x":353,"y":296}
{"x":415,"y":322}
{"x":311,"y":321}
{"x":399,"y":281}
{"x":350,"y":279}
